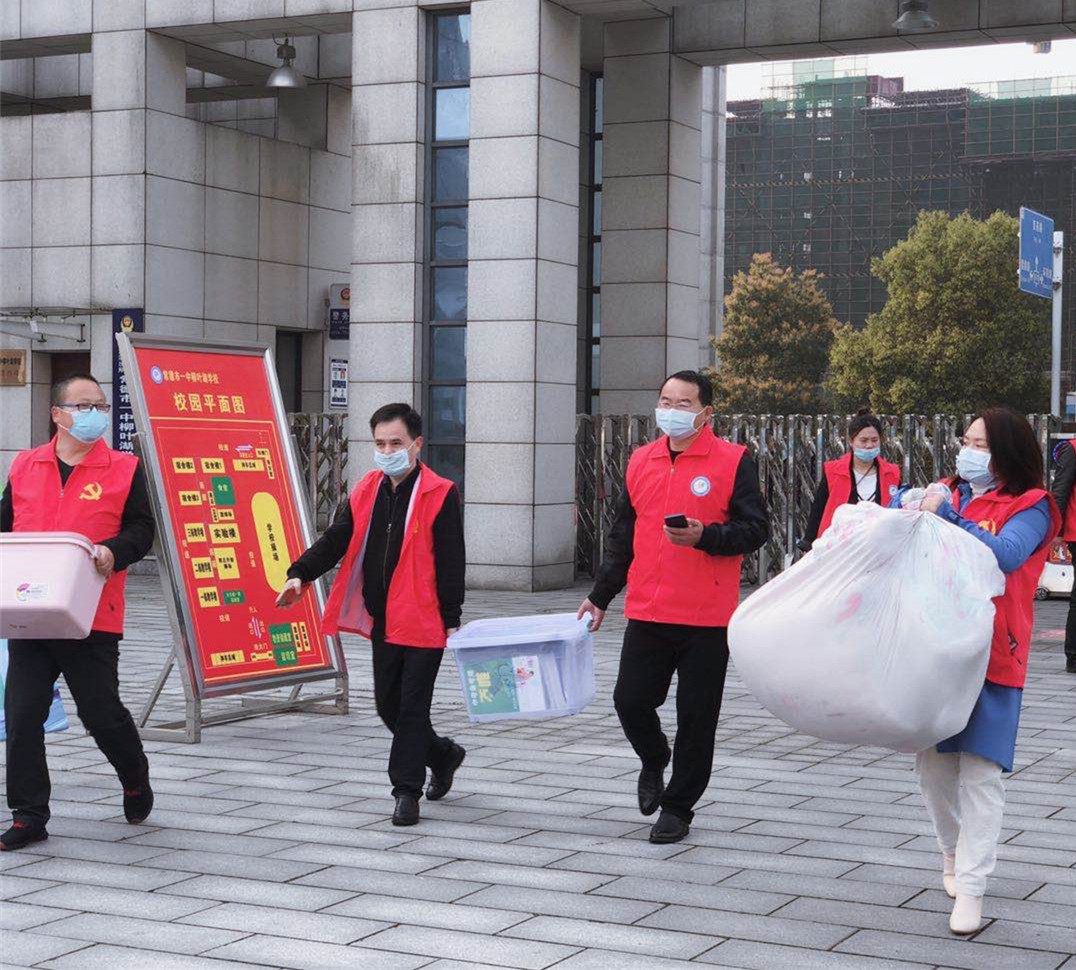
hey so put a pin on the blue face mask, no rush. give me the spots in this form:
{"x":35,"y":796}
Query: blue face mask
{"x":676,"y":423}
{"x":88,"y":426}
{"x":393,"y":463}
{"x":866,"y":454}
{"x":973,"y":466}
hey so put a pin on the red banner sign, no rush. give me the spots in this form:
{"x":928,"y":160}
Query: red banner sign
{"x":222,"y":469}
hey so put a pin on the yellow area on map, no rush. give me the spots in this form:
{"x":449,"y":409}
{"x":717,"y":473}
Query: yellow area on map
{"x":208,"y":596}
{"x":203,"y":568}
{"x":184,"y":466}
{"x":248,"y":464}
{"x":213,"y":466}
{"x":195,"y":531}
{"x":223,"y":659}
{"x":222,"y":515}
{"x":227,"y":563}
{"x":222,"y":533}
{"x":270,"y":526}
{"x":190,"y":498}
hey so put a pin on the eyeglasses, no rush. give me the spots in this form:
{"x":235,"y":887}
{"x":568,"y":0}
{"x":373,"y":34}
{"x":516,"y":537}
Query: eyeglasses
{"x":84,"y":408}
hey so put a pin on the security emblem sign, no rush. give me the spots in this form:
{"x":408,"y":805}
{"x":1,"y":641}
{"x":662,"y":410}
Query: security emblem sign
{"x":700,"y":486}
{"x":230,"y":513}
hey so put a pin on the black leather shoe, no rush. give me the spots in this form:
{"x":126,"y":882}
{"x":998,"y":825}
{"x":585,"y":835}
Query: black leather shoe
{"x":406,"y":811}
{"x":22,"y":834}
{"x":651,"y":788}
{"x":441,"y":784}
{"x":138,"y":802}
{"x":1070,"y":666}
{"x":668,"y":828}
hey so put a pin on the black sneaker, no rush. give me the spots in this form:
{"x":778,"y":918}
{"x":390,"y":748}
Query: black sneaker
{"x":441,"y":783}
{"x":22,"y":834}
{"x":1070,"y":666}
{"x":138,"y":802}
{"x":406,"y":811}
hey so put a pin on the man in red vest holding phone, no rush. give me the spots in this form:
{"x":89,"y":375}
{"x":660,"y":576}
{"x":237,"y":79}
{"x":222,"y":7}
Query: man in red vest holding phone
{"x":401,"y":585}
{"x":690,"y":510}
{"x":75,"y":483}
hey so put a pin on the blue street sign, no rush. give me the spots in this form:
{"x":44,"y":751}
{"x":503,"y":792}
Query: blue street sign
{"x":1036,"y":253}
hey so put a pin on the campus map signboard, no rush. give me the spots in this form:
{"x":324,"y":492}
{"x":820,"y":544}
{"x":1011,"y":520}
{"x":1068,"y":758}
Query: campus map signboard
{"x":231,"y":513}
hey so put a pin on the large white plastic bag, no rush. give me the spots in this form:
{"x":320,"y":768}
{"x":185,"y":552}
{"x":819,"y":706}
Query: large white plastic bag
{"x":880,"y":635}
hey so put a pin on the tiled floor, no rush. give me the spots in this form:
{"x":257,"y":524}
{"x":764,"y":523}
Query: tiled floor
{"x":270,"y":845}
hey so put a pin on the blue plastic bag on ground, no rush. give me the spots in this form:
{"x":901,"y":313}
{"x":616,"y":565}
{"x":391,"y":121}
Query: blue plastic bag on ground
{"x":57,"y":718}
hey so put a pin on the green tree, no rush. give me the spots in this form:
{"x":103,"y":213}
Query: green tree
{"x":955,"y":334}
{"x":774,"y":349}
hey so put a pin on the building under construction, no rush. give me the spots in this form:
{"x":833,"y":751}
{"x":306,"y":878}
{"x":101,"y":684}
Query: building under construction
{"x":830,"y":168}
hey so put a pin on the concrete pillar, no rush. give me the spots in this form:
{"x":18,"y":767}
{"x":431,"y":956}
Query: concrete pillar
{"x":650,"y":214}
{"x":388,"y":135}
{"x":522,"y":307}
{"x":712,"y":238}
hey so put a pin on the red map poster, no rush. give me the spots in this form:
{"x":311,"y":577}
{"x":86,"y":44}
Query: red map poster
{"x":234,"y":517}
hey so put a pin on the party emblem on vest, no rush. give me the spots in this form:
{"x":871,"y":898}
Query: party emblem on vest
{"x":700,"y":486}
{"x":91,"y":491}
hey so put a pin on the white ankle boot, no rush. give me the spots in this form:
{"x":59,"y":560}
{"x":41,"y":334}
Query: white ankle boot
{"x":967,"y":914}
{"x":949,"y":875}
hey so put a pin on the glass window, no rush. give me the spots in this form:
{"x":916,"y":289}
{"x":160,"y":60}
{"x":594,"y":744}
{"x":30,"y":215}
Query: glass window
{"x":449,"y":293}
{"x":597,"y":213}
{"x":595,"y":366}
{"x":448,"y":418}
{"x":599,"y":107}
{"x":451,"y":112}
{"x":598,"y":162}
{"x":447,"y":461}
{"x":596,"y":250}
{"x":596,"y":314}
{"x":453,"y":38}
{"x":448,"y":353}
{"x":450,"y":174}
{"x":450,"y":234}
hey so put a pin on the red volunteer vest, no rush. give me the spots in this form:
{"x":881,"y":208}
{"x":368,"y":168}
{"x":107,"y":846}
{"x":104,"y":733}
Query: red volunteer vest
{"x":839,"y":479}
{"x":91,"y":503}
{"x":1014,"y":613}
{"x":413,"y":611}
{"x":1068,"y":530}
{"x":677,"y":584}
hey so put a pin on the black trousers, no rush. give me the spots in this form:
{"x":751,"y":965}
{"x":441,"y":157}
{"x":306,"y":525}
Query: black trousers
{"x":1070,"y":625}
{"x":91,"y":670}
{"x":403,"y":691}
{"x":699,"y":656}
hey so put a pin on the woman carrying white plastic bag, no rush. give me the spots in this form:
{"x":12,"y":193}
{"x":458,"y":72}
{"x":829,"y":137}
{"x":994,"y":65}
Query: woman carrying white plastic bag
{"x":998,"y":497}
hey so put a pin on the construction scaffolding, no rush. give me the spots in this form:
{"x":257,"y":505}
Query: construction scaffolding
{"x":831,"y":166}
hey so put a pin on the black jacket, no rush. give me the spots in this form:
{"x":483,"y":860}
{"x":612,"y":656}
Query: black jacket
{"x":821,"y":497}
{"x":1064,"y":475}
{"x":383,"y":542}
{"x":747,"y":529}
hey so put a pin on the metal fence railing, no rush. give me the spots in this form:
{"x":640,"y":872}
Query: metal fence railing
{"x":789,"y":451}
{"x":321,"y":441}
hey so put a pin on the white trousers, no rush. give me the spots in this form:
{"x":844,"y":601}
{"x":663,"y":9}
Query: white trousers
{"x":966,"y":800}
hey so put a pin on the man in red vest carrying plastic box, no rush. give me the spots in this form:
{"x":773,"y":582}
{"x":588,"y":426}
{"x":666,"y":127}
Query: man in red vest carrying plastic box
{"x":75,"y":483}
{"x":401,"y":584}
{"x":690,"y":510}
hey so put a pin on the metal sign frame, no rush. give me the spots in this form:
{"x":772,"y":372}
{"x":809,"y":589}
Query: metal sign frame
{"x":184,"y":646}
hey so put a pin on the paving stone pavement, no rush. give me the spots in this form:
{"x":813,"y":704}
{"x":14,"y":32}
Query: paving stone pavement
{"x":270,"y":844}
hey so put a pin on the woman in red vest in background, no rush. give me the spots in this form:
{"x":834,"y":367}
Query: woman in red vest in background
{"x":998,"y":496}
{"x":862,"y":475}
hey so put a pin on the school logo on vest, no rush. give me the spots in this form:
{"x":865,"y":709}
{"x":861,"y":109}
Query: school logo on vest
{"x":700,"y":486}
{"x":91,"y":492}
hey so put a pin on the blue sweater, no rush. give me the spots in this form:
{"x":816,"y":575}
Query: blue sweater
{"x":1016,"y":541}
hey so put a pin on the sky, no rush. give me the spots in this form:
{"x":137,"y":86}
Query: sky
{"x":946,"y":68}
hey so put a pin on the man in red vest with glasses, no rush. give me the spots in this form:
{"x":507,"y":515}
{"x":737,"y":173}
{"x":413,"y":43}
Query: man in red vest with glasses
{"x":401,"y":584}
{"x":690,"y":510}
{"x":75,"y":483}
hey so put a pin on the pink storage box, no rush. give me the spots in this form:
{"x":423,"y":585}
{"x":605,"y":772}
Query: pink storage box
{"x":49,"y":586}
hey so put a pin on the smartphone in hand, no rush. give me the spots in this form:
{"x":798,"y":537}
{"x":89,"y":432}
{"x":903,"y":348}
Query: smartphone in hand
{"x":676,"y":521}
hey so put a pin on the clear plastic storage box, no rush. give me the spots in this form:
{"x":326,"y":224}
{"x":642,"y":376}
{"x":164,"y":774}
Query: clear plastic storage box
{"x":525,"y":666}
{"x":49,"y":586}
